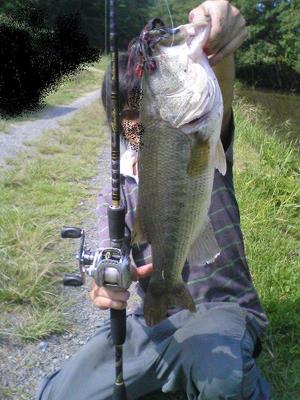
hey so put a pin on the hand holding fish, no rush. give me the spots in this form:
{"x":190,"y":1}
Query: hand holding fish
{"x":228,"y":28}
{"x":104,"y":298}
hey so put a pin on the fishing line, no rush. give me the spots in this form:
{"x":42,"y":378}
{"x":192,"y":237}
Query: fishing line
{"x":105,"y":26}
{"x":108,"y":78}
{"x":106,"y":53}
{"x":171,"y":18}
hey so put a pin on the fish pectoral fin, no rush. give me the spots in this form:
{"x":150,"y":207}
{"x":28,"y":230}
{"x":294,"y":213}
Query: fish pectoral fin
{"x":199,"y":158}
{"x":220,"y":158}
{"x":138,"y":235}
{"x":205,"y":248}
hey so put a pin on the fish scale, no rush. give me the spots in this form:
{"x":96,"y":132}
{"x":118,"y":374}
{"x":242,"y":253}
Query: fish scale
{"x":180,"y":214}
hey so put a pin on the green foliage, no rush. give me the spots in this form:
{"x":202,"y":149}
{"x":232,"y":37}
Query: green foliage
{"x":179,"y":11}
{"x":269,"y":58}
{"x":94,"y":16}
{"x":267,"y":188}
{"x":36,"y":52}
{"x":132,"y":17}
{"x":271,"y":55}
{"x":43,"y":40}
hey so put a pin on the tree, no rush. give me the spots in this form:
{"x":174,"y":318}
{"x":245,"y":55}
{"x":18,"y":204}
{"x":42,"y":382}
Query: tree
{"x":270,"y":57}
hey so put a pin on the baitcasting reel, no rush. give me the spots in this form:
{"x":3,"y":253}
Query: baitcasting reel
{"x":109,"y":267}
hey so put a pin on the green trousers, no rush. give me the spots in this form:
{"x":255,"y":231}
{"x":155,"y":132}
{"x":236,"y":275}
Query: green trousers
{"x":208,"y":354}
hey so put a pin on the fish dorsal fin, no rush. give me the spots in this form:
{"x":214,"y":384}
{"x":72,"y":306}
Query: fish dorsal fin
{"x":220,"y":158}
{"x":205,"y":248}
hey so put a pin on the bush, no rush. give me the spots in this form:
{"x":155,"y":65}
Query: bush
{"x":34,"y":58}
{"x":272,"y":76}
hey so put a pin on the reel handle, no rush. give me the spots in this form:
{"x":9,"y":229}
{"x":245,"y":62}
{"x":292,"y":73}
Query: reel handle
{"x":70,"y":279}
{"x":70,"y":232}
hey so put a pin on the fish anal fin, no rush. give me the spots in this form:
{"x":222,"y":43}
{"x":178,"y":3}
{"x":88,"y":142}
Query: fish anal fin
{"x":220,"y":158}
{"x":205,"y":248}
{"x":159,"y":298}
{"x":199,"y":157}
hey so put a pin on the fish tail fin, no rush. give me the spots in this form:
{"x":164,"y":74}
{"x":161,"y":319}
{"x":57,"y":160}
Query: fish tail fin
{"x":158,"y":300}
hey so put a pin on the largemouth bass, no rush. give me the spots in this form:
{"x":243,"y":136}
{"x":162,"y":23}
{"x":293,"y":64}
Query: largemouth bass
{"x":181,"y":114}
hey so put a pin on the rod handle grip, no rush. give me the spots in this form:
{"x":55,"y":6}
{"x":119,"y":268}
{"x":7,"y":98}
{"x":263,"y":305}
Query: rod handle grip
{"x":118,"y":326}
{"x":120,"y":392}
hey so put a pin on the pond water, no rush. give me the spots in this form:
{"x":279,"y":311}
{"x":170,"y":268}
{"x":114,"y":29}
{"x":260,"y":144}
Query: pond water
{"x":282,"y":108}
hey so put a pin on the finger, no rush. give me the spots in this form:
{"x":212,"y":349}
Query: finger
{"x":104,"y":303}
{"x":143,"y":271}
{"x":196,"y":12}
{"x":228,"y":49}
{"x":115,"y":295}
{"x":221,"y":32}
{"x":94,"y":290}
{"x":120,"y":295}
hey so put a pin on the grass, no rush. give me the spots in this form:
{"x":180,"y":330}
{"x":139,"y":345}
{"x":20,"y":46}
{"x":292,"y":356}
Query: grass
{"x":78,"y":84}
{"x":267,"y":187}
{"x":39,"y":194}
{"x":70,"y":88}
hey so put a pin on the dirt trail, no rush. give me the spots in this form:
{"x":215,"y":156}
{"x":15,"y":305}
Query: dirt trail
{"x":13,"y":141}
{"x":22,"y":365}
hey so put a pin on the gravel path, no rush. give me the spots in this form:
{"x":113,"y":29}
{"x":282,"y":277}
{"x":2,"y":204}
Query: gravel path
{"x":22,"y":366}
{"x":13,"y":141}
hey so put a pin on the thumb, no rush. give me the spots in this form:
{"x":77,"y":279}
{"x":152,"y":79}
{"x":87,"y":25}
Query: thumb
{"x":196,"y":13}
{"x":142,"y":272}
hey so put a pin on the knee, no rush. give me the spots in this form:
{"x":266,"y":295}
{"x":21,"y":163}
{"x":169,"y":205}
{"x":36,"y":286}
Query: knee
{"x":217,"y":373}
{"x":222,"y":370}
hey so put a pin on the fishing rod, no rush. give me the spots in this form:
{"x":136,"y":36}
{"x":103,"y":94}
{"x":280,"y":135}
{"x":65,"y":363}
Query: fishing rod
{"x":116,"y":212}
{"x":110,"y":267}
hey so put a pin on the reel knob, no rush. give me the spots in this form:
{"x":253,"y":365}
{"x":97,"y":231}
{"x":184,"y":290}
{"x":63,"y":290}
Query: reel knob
{"x":71,"y":232}
{"x":72,"y":280}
